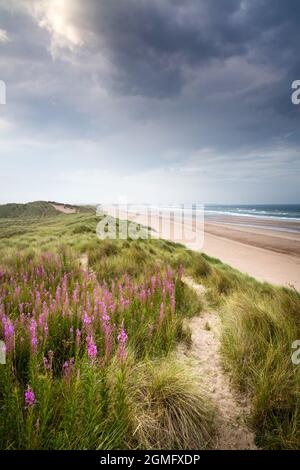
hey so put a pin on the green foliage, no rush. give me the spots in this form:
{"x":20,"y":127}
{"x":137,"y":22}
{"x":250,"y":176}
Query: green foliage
{"x":29,"y":210}
{"x":170,"y":409}
{"x":97,"y":406}
{"x":148,"y":403}
{"x":258,"y":332}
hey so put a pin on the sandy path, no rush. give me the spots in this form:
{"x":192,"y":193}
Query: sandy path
{"x":84,"y":261}
{"x":232,"y":408}
{"x":232,"y":432}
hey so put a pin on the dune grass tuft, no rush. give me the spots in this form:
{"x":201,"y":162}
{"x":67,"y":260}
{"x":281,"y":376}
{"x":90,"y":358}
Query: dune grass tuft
{"x":258,"y":332}
{"x":171,"y":411}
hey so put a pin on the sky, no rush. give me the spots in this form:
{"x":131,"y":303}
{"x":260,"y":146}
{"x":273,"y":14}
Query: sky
{"x":157,"y":101}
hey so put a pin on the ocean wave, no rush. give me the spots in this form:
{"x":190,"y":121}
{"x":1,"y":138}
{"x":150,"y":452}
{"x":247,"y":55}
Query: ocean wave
{"x":272,"y":213}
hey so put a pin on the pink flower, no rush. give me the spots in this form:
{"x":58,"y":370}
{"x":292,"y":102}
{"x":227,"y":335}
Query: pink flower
{"x":38,"y":299}
{"x":105,"y":317}
{"x":66,"y":302}
{"x":86,"y":319}
{"x":88,"y":304}
{"x":58,"y":294}
{"x":143,"y":295}
{"x":91,"y":347}
{"x":33,"y":338}
{"x":75,"y":294}
{"x":8,"y":329}
{"x":17,"y":291}
{"x":122,"y":336}
{"x":112,"y":308}
{"x":29,"y":397}
{"x":46,"y":363}
{"x":32,"y":327}
{"x":46,"y":330}
{"x":92,"y":350}
{"x":122,"y":340}
{"x":9,"y":332}
{"x":34,"y":343}
{"x":120,"y":289}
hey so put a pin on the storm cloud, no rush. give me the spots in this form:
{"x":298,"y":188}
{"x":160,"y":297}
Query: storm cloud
{"x":194,"y":93}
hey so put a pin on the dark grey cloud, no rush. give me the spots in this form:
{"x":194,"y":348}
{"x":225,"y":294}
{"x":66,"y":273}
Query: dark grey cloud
{"x":140,"y":85}
{"x":151,"y":43}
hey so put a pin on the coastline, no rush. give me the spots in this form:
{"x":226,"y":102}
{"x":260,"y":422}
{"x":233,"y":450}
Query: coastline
{"x":266,"y":254}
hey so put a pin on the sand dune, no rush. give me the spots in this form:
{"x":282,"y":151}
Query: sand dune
{"x":64,"y":209}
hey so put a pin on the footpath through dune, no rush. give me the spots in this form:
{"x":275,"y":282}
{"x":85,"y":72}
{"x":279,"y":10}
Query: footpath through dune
{"x":232,"y":408}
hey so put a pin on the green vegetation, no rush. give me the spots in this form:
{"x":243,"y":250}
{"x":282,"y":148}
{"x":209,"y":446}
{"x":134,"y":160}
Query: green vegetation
{"x":29,"y":210}
{"x":260,"y":323}
{"x":89,"y":350}
{"x":260,"y":326}
{"x":147,"y":400}
{"x":34,"y":210}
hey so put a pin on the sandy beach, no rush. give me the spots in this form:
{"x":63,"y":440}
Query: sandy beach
{"x":264,"y":253}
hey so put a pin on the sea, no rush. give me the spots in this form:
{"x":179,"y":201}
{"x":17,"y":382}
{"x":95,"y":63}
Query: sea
{"x":263,"y":211}
{"x":280,"y":217}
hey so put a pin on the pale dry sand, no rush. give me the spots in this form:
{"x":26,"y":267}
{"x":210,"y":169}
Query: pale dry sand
{"x":64,"y":209}
{"x":265,"y":254}
{"x":259,"y":256}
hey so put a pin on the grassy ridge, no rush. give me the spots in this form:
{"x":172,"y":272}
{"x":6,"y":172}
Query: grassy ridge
{"x":35,"y":210}
{"x":260,"y":323}
{"x":29,"y":210}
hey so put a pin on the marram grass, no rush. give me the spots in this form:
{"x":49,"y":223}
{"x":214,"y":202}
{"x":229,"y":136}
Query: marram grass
{"x":120,"y":387}
{"x":81,"y":358}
